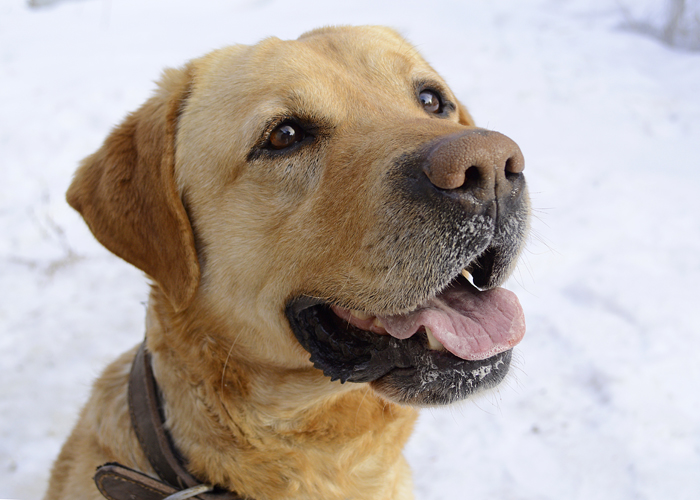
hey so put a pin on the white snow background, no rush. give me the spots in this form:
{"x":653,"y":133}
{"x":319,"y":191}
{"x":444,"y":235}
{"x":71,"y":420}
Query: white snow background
{"x":604,"y":398}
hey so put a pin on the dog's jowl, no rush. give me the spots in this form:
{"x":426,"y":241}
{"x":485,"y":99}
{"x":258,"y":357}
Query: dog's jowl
{"x":326,"y":231}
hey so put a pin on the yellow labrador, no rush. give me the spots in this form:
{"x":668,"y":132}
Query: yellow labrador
{"x":309,"y":212}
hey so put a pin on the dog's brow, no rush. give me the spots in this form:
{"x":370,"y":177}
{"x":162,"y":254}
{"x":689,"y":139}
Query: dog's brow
{"x":306,"y":107}
{"x":303,"y":107}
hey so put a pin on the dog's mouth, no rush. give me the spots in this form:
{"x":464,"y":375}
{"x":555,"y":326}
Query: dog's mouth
{"x":445,"y":349}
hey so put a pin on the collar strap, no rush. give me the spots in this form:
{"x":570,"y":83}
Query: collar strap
{"x":117,"y":482}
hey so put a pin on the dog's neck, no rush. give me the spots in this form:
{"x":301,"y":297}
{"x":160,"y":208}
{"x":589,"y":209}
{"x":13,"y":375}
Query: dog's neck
{"x":280,"y":423}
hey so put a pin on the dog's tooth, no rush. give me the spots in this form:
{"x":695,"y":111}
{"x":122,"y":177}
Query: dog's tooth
{"x":359,"y":314}
{"x":378,"y":322}
{"x":433,"y":343}
{"x":470,"y":279}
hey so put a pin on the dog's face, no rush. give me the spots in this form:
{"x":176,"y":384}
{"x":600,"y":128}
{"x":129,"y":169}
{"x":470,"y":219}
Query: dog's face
{"x":337,"y":190}
{"x":306,"y":170}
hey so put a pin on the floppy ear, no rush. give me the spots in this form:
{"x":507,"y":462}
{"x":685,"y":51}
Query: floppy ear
{"x":127,"y":195}
{"x":464,"y":117}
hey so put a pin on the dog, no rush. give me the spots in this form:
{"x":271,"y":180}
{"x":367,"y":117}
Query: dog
{"x":326,"y":231}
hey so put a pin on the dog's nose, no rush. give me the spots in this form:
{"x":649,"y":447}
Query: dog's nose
{"x":481,"y":162}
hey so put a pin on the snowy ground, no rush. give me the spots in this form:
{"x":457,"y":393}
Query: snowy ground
{"x":604,"y":401}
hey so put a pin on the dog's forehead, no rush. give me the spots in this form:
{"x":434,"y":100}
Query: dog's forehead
{"x":370,"y":51}
{"x":333,"y":70}
{"x":366,"y":52}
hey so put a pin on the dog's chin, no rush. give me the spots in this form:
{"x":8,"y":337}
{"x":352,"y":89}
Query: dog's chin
{"x":415,"y":370}
{"x":441,"y":379}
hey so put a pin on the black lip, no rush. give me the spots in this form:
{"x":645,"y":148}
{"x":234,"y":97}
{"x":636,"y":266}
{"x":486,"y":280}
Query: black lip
{"x":405,"y":369}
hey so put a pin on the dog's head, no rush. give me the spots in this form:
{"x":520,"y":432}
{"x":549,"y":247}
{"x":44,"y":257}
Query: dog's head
{"x":327,"y":195}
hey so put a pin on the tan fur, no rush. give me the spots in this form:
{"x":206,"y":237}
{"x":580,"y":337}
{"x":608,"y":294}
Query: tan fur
{"x":228,"y":241}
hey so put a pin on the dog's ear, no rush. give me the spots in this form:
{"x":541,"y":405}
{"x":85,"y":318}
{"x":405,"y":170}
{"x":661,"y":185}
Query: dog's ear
{"x":126,"y":193}
{"x":464,"y":117}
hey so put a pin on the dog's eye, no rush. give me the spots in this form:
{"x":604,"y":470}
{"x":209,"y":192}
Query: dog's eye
{"x":285,"y":135}
{"x":430,"y":101}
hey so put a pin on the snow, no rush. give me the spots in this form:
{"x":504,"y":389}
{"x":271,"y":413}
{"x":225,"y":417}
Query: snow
{"x":603,"y":399}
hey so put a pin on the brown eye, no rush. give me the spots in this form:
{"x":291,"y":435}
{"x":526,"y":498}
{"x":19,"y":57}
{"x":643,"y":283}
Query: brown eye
{"x":430,"y":101}
{"x":285,"y":135}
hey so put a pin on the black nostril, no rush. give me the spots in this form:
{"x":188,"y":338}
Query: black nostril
{"x":511,"y":169}
{"x":472,"y":177}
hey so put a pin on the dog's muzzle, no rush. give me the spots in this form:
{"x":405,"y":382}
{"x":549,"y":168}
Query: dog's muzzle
{"x":457,"y":214}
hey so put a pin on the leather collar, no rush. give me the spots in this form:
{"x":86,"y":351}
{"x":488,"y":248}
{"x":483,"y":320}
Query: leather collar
{"x":117,"y":482}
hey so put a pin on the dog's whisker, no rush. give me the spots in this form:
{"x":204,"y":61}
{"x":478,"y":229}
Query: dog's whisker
{"x":228,"y":356}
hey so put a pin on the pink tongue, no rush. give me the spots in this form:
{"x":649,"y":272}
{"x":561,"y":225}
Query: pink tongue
{"x":471,"y":325}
